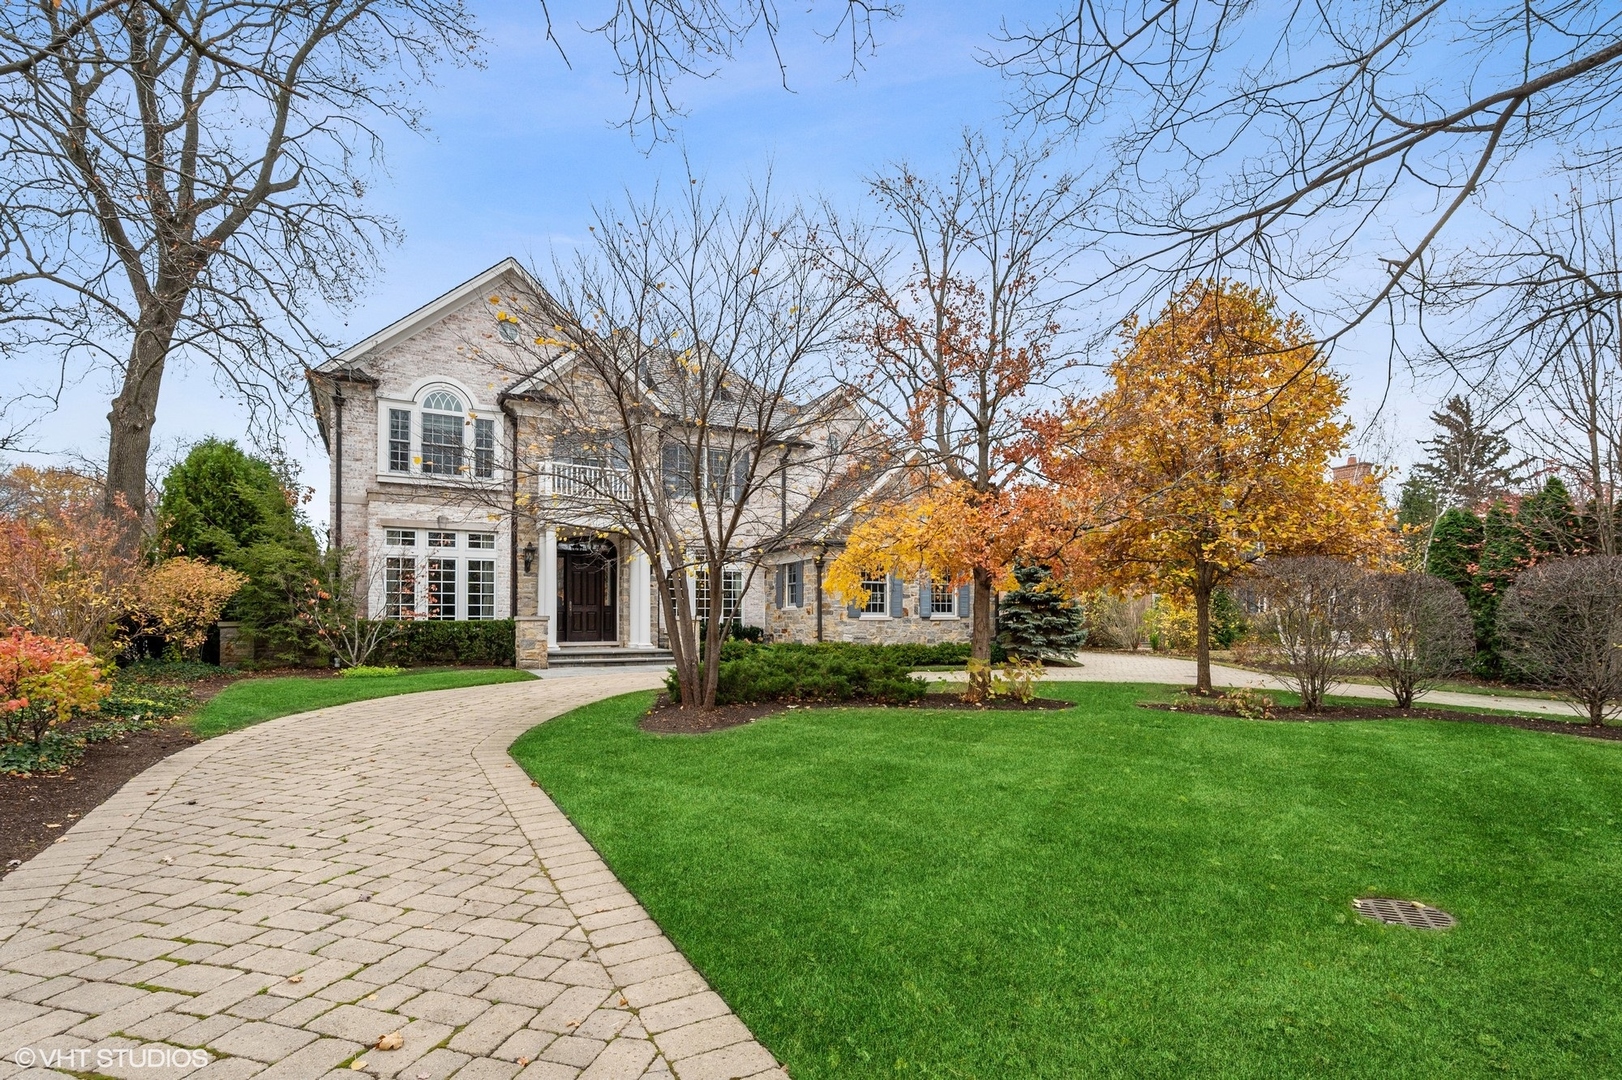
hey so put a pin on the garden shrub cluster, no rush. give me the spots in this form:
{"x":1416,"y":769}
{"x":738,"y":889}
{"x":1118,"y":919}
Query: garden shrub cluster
{"x":137,"y":698}
{"x":482,"y":642}
{"x":370,"y":671}
{"x":832,"y":671}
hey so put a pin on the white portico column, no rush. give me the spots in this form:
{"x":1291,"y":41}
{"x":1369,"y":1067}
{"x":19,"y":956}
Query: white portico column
{"x":548,"y":584}
{"x":640,"y":627}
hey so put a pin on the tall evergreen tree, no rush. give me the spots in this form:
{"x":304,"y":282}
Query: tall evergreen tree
{"x":1468,"y":463}
{"x":1417,"y":509}
{"x":1549,"y":523}
{"x":1455,"y":547}
{"x":1037,"y":620}
{"x":1504,"y":554}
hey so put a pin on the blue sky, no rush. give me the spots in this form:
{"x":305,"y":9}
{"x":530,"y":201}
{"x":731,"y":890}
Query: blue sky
{"x":522,"y":148}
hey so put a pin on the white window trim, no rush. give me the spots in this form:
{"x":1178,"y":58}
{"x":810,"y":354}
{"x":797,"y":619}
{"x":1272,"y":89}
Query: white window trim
{"x":885,"y":614}
{"x":934,"y":591}
{"x":412,"y":403}
{"x":460,"y":554}
{"x":788,"y":592}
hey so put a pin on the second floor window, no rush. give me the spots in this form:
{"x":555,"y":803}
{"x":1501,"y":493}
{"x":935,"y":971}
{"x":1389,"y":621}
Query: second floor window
{"x":484,"y":448}
{"x":439,"y":435}
{"x":442,"y":423}
{"x":399,"y":440}
{"x":676,"y":463}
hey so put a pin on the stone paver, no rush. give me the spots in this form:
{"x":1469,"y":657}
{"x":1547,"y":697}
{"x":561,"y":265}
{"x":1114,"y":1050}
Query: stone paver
{"x":1149,"y":668}
{"x":284,"y":896}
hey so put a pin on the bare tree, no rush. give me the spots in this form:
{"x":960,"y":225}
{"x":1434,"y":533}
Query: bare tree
{"x":1562,"y":626}
{"x":683,"y":366}
{"x":186,"y":178}
{"x":658,"y":42}
{"x":1419,"y":632}
{"x":1537,"y":307}
{"x":1309,"y":620}
{"x":962,"y":326}
{"x":334,"y":607}
{"x":1240,"y":126}
{"x":1117,"y":619}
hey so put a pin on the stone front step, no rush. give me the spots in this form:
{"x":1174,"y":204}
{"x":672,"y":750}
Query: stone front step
{"x":605,"y":656}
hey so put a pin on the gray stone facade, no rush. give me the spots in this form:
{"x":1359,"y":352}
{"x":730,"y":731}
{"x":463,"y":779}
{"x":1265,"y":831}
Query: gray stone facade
{"x":901,"y":621}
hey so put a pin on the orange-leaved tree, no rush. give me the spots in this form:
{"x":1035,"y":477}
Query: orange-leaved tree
{"x":949,"y":532}
{"x":960,"y":332}
{"x":65,"y":573}
{"x":1219,"y":424}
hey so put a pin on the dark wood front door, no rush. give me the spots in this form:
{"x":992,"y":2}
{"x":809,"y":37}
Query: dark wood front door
{"x":587,"y":602}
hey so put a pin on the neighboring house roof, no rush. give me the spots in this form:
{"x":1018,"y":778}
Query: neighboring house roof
{"x":828,"y":517}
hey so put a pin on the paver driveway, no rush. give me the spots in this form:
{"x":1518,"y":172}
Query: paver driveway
{"x":1117,"y":667}
{"x":283,"y":896}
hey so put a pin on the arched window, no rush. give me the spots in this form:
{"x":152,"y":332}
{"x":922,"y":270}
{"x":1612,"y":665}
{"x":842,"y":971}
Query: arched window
{"x":439,"y":420}
{"x":442,"y":422}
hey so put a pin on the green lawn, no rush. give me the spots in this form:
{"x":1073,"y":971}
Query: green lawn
{"x":1111,"y":891}
{"x":253,"y":701}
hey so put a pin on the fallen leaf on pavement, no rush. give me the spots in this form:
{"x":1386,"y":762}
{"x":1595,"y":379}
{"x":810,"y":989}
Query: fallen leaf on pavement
{"x":357,"y":1065}
{"x":392,"y":1041}
{"x":295,"y":978}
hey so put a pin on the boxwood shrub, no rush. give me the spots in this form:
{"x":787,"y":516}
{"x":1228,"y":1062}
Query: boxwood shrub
{"x":479,"y":642}
{"x":833,"y":671}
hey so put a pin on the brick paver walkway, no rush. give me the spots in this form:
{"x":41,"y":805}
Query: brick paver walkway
{"x":284,"y":896}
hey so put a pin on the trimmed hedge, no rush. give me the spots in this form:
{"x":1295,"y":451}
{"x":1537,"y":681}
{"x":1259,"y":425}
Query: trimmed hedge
{"x":945,"y":654}
{"x":481,"y":642}
{"x":833,"y":671}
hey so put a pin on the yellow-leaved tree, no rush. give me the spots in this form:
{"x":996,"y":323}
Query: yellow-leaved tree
{"x":1220,"y":421}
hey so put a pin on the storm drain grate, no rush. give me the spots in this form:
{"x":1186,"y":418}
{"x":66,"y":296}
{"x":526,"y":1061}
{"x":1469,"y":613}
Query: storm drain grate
{"x":1409,"y":913}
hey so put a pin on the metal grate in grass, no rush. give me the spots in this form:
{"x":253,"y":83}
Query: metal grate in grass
{"x":1410,"y":913}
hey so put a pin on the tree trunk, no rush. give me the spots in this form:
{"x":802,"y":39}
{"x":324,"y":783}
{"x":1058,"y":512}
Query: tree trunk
{"x":714,"y":628}
{"x":980,"y":634}
{"x":980,"y":611}
{"x":1202,"y":638}
{"x":130,"y":422}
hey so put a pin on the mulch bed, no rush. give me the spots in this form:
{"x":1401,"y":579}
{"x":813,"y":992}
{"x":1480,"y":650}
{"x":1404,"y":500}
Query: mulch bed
{"x":1290,"y":713}
{"x":667,"y":718}
{"x":35,"y":811}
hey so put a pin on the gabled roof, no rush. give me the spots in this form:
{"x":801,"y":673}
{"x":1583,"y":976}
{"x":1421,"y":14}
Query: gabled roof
{"x":429,"y":313}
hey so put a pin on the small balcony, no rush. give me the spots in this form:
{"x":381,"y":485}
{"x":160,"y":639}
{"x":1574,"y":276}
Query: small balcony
{"x":583,"y":482}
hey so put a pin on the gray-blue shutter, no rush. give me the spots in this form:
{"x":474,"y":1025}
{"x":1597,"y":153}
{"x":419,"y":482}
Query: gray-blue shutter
{"x":898,"y":597}
{"x":853,"y":610}
{"x":926,"y":598}
{"x":964,"y":593}
{"x":782,"y":572}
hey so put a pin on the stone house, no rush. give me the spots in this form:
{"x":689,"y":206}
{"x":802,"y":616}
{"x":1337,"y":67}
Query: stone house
{"x":455,"y":485}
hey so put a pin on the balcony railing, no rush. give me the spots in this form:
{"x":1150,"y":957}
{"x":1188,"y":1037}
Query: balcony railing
{"x":584,"y":482}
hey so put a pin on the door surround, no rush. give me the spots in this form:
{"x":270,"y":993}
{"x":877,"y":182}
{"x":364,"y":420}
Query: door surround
{"x":588,"y":590}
